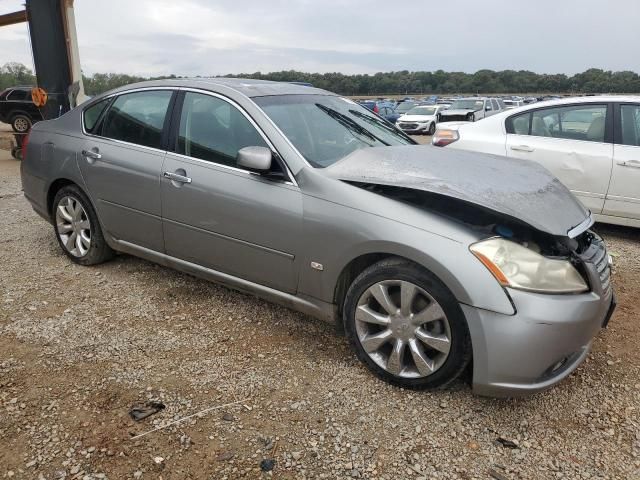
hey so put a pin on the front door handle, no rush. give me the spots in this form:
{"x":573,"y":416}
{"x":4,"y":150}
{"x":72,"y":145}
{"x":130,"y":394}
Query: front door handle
{"x":176,"y":177}
{"x":629,"y":163}
{"x":522,"y":148}
{"x":91,"y":155}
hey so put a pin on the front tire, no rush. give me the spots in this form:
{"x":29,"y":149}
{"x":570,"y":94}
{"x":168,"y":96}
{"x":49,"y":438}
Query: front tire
{"x":406,"y":326}
{"x":77,"y":228}
{"x":21,"y":123}
{"x":432,"y":128}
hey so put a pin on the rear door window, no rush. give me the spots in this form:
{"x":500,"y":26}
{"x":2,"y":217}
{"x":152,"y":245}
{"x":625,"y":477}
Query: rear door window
{"x":19,"y":95}
{"x":138,"y":117}
{"x":495,"y":104}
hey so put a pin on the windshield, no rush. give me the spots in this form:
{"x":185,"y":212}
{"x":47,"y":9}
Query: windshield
{"x":325,"y":128}
{"x":474,"y":105}
{"x":422,"y":111}
{"x":404,"y":107}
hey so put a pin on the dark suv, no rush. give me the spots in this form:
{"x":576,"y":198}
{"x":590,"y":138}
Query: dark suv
{"x":17,"y":108}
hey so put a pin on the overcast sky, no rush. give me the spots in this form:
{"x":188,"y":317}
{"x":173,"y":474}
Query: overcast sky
{"x":208,"y":37}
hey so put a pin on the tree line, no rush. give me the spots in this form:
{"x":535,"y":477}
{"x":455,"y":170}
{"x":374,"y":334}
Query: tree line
{"x":593,"y":80}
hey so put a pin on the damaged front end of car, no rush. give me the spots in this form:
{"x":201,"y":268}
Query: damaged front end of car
{"x":534,"y":238}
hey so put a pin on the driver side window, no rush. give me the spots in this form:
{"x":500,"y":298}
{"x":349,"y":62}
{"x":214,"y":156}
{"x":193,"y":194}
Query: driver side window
{"x":212,"y":129}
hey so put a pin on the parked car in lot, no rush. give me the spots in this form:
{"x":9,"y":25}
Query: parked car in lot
{"x":389,"y":114}
{"x":370,"y":105}
{"x":592,"y":144}
{"x":428,"y":258}
{"x":420,"y":119}
{"x":471,"y":109}
{"x":511,"y":104}
{"x":17,"y":109}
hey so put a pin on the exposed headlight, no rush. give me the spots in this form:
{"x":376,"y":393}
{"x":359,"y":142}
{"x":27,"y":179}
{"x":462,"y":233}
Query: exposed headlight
{"x":519,"y":267}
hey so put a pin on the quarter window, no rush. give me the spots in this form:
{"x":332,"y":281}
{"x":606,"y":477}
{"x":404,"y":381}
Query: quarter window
{"x":92,"y":115}
{"x":138,"y":117}
{"x":519,"y":124}
{"x":579,"y":122}
{"x":214,"y":130}
{"x":630,"y":125}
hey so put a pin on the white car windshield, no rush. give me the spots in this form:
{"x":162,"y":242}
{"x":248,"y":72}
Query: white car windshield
{"x":325,"y":128}
{"x":422,"y":111}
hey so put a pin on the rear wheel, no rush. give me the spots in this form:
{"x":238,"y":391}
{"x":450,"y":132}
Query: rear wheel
{"x":77,"y":228}
{"x":20,"y":123}
{"x":405,"y":326}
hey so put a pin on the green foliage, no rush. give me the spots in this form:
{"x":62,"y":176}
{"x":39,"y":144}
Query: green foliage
{"x":12,"y":74}
{"x":404,"y":82}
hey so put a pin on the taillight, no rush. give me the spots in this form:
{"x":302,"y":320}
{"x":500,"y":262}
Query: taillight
{"x":25,"y":142}
{"x":444,"y":137}
{"x":376,"y":109}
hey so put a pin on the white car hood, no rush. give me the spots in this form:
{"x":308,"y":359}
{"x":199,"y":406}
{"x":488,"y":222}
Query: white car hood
{"x":416,"y":118}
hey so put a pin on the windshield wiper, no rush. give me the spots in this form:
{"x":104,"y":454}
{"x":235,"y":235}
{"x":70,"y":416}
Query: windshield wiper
{"x":349,"y":123}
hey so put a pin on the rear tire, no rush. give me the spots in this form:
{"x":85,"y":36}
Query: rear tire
{"x":424,"y":343}
{"x":21,"y":123}
{"x":77,"y":227}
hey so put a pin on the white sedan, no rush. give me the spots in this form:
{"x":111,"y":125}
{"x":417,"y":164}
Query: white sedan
{"x":592,"y":144}
{"x":420,"y":119}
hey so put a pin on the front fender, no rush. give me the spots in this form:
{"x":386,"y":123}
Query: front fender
{"x":335,"y":235}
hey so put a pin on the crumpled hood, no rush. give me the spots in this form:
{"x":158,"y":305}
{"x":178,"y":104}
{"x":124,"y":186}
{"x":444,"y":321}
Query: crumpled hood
{"x":517,"y":188}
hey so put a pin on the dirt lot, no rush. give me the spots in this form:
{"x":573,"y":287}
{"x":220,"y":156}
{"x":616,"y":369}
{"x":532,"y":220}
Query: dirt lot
{"x":79,"y":346}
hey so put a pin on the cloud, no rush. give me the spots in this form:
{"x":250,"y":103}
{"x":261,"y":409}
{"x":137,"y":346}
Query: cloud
{"x":200,"y":37}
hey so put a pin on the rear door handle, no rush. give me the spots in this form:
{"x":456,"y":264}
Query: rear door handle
{"x":521,"y":148}
{"x":175,"y":177}
{"x":91,"y":155}
{"x":629,"y":163}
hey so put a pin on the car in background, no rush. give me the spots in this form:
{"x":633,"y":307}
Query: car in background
{"x":17,"y":108}
{"x":429,"y":259}
{"x":404,"y":107}
{"x":471,"y":109}
{"x":370,"y":105}
{"x":511,"y":104}
{"x":592,"y":144}
{"x":389,"y":114}
{"x":421,"y":119}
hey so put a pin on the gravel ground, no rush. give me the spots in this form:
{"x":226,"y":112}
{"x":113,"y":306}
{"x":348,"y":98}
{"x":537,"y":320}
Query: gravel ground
{"x":79,"y":346}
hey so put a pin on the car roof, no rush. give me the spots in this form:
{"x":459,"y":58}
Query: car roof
{"x":245,"y":86}
{"x":575,"y":100}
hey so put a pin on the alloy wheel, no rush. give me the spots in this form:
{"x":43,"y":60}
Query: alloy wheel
{"x":73,"y":226}
{"x":21,"y":124}
{"x":402,"y":328}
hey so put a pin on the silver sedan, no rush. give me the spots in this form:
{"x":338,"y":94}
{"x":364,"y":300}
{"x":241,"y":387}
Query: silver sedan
{"x":429,"y":260}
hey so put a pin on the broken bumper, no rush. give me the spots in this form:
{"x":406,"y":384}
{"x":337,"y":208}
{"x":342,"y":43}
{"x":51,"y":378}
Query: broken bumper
{"x":543,"y":343}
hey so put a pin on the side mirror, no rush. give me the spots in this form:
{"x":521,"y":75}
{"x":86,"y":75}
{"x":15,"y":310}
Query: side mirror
{"x":487,"y":108}
{"x":256,"y":159}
